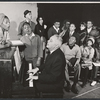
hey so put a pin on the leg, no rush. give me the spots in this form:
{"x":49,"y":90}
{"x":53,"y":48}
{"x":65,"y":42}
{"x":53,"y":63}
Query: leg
{"x":76,"y":74}
{"x":68,"y":88}
{"x":76,"y":77}
{"x":94,"y":75}
{"x":86,"y":71}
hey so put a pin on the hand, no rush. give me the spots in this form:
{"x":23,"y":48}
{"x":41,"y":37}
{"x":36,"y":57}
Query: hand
{"x":76,"y":64}
{"x":38,"y":62}
{"x":22,"y":54}
{"x":69,"y":64}
{"x":3,"y":42}
{"x":31,"y":78}
{"x":34,"y":71}
{"x":9,"y":44}
{"x":42,"y":39}
{"x":45,"y":26}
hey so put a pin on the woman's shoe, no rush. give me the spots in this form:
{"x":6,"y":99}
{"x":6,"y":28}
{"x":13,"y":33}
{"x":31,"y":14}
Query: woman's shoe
{"x":93,"y":83}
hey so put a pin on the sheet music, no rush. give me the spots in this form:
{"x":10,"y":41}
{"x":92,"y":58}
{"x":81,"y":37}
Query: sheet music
{"x":96,"y":63}
{"x":16,"y":42}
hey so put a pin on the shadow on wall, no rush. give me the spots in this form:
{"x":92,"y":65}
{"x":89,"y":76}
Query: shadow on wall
{"x":13,"y":30}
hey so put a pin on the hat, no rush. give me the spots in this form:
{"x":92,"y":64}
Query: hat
{"x":91,"y":39}
{"x":1,"y":18}
{"x":26,"y":12}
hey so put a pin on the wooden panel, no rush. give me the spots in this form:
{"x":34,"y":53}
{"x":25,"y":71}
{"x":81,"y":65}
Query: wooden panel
{"x":6,"y":58}
{"x":5,"y":78}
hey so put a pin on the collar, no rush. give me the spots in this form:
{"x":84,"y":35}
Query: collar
{"x":57,"y":29}
{"x":89,"y":29}
{"x":27,"y":20}
{"x":52,"y":51}
{"x":71,"y":32}
{"x":71,"y":47}
{"x":32,"y":35}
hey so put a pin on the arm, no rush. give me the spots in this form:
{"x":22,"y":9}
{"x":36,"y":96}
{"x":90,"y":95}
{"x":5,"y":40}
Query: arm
{"x":91,"y":54}
{"x":49,"y":33}
{"x":39,"y":51}
{"x":19,"y":29}
{"x":78,"y":56}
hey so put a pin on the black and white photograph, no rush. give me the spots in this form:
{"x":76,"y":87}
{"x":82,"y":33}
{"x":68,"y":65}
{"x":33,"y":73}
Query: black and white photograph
{"x":50,"y":50}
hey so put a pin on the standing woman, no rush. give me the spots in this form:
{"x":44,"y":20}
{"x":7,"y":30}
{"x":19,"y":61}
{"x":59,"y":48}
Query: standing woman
{"x":40,"y":29}
{"x":33,"y":51}
{"x":4,"y":28}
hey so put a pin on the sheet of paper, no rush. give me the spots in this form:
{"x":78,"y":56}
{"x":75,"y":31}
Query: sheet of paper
{"x":96,"y":63}
{"x":16,"y":42}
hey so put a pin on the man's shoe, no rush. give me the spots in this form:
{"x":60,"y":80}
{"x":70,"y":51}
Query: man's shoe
{"x":83,"y":85}
{"x":68,"y":88}
{"x":74,"y":89}
{"x":93,"y":83}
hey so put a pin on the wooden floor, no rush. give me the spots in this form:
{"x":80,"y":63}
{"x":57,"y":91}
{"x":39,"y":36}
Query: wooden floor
{"x":86,"y":92}
{"x":18,"y":91}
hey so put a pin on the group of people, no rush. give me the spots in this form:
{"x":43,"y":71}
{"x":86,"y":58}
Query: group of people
{"x":67,"y":50}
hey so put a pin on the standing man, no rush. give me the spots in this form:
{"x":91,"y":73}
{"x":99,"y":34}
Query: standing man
{"x":51,"y":78}
{"x":54,"y":29}
{"x":28,"y":18}
{"x":89,"y":27}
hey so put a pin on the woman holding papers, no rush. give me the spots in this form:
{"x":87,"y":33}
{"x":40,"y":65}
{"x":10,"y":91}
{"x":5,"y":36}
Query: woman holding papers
{"x":4,"y":34}
{"x":96,"y":63}
{"x":87,"y":53}
{"x":33,"y":51}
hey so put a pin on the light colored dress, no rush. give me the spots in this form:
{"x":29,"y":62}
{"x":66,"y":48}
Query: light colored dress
{"x":87,"y":54}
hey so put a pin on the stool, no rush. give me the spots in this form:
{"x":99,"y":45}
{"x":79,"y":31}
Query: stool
{"x":51,"y":95}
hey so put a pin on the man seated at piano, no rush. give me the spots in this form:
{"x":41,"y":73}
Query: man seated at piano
{"x":51,"y":78}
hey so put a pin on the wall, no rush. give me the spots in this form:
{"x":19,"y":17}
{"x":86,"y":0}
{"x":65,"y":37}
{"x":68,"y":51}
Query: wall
{"x":15,"y":13}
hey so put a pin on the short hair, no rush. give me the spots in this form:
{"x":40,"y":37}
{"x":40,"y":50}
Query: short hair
{"x":83,"y":23}
{"x":56,"y":20}
{"x":59,"y":39}
{"x":38,"y":18}
{"x":90,"y":21}
{"x":25,"y":23}
{"x":64,"y":22}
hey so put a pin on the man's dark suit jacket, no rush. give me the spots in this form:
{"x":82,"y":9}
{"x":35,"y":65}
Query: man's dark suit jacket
{"x":52,"y":72}
{"x":52,"y":31}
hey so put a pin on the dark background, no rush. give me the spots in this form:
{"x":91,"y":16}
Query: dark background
{"x":75,"y":12}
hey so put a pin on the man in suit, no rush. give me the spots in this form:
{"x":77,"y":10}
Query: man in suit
{"x":54,"y":29}
{"x":51,"y":78}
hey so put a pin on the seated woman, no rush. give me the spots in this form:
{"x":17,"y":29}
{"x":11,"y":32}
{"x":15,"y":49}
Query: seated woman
{"x":96,"y":61}
{"x":33,"y":51}
{"x":87,"y":53}
{"x":4,"y":34}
